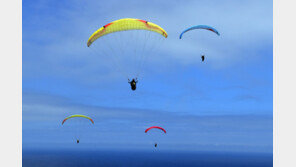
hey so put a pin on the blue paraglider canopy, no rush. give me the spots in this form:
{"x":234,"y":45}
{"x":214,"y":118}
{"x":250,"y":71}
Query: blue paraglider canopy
{"x":200,"y":27}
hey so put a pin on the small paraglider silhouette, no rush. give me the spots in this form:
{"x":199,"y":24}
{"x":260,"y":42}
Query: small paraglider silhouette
{"x":76,"y":116}
{"x":133,"y":83}
{"x":200,"y":27}
{"x":155,"y":127}
{"x":202,"y":58}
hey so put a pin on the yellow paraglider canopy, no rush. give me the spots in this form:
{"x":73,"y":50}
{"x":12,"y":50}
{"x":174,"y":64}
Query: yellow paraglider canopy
{"x":125,"y":25}
{"x":77,"y":115}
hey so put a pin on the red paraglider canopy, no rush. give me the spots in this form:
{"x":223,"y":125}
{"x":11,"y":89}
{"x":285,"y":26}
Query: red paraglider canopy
{"x":157,"y":127}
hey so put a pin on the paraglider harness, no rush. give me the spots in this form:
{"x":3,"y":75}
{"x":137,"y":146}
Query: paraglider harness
{"x":202,"y":57}
{"x":133,"y":83}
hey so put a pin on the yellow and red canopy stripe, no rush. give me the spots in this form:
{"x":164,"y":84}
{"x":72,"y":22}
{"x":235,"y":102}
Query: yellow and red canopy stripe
{"x":125,"y":25}
{"x":77,"y":115}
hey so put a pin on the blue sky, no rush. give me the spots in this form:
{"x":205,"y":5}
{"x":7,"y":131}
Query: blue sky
{"x":224,"y":104}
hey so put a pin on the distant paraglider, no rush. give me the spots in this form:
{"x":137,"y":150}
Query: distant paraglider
{"x":155,"y":127}
{"x":205,"y":27}
{"x":76,"y":125}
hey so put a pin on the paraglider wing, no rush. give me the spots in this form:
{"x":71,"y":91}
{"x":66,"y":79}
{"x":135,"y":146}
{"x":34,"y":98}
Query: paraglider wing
{"x":200,"y":27}
{"x":125,"y":25}
{"x":77,"y":115}
{"x":157,"y":127}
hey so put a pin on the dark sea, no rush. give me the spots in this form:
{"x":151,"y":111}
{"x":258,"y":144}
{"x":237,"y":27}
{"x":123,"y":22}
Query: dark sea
{"x":144,"y":159}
